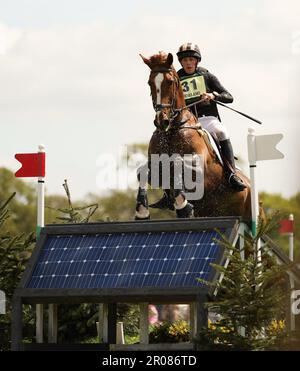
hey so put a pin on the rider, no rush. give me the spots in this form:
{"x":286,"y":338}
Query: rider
{"x":198,"y":83}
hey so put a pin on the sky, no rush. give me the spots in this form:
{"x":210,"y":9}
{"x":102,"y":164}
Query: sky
{"x":71,"y":78}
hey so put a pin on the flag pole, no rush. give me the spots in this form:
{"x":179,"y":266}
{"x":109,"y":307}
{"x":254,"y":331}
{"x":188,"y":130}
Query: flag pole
{"x":291,"y":239}
{"x":33,"y":165}
{"x":40,"y":199}
{"x":292,"y":282}
{"x":254,"y":192}
{"x":40,"y":225}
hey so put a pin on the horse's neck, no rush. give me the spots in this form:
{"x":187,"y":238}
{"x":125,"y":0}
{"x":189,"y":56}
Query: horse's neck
{"x":180,"y":103}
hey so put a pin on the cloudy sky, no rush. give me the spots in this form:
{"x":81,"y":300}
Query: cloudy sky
{"x":71,"y":78}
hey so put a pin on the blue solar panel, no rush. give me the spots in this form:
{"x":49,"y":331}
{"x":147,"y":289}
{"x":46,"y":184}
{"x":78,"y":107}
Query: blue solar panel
{"x":129,"y":260}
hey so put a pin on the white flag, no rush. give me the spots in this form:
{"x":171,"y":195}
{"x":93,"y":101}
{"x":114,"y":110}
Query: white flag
{"x":266,"y":147}
{"x":263,"y":147}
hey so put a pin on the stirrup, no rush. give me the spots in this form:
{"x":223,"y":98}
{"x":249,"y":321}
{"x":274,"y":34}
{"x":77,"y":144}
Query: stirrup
{"x":236,"y":183}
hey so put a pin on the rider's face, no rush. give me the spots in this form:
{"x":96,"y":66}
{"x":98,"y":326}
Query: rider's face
{"x":189,"y":64}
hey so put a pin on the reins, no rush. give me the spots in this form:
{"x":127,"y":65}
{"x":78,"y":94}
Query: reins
{"x":174,"y":111}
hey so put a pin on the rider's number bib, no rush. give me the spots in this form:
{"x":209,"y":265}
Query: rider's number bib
{"x":193,"y":87}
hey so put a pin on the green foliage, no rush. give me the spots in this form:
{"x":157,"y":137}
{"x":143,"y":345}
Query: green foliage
{"x":77,"y":323}
{"x":22,"y":207}
{"x":167,"y":332}
{"x":252,"y":295}
{"x":120,"y":205}
{"x":15,"y":251}
{"x":73,"y":214}
{"x":137,"y":148}
{"x":131,"y":339}
{"x":286,"y":206}
{"x":129,"y":314}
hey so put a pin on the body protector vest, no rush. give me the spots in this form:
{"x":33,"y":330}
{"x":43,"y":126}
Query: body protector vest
{"x":202,"y":81}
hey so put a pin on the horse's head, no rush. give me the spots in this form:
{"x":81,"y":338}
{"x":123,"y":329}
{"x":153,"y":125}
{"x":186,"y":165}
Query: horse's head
{"x":164,"y":84}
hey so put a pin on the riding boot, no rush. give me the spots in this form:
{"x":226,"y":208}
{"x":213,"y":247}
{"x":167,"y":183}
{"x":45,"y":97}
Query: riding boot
{"x":164,"y":203}
{"x":141,"y":200}
{"x":227,"y":152}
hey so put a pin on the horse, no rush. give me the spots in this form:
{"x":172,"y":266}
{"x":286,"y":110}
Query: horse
{"x":178,"y":132}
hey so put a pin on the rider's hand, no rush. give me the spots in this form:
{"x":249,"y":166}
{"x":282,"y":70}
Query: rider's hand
{"x":206,"y":97}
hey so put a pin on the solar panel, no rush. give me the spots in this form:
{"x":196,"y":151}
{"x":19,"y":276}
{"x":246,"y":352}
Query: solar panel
{"x":125,"y":260}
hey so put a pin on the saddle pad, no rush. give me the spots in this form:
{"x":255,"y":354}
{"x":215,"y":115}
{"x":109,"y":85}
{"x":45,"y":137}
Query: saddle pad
{"x":214,"y":146}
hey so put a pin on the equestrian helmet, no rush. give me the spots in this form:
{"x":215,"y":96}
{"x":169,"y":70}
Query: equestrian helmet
{"x":189,"y":50}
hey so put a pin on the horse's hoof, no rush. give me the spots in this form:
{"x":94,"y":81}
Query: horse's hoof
{"x":137,"y":218}
{"x":186,"y":212}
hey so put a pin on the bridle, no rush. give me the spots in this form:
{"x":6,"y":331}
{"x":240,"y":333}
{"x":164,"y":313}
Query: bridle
{"x":175,"y":84}
{"x":174,"y":112}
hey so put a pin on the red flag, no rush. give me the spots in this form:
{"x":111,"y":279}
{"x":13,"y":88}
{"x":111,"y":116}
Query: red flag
{"x":286,"y":226}
{"x":33,"y":164}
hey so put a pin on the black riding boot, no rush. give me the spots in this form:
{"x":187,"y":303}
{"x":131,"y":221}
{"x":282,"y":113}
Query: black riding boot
{"x":227,"y":152}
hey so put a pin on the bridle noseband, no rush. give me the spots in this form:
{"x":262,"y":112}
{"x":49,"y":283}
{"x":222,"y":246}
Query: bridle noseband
{"x":175,"y":83}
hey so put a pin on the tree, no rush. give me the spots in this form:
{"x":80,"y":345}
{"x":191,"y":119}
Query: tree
{"x":15,"y":251}
{"x":252,"y":296}
{"x":22,"y":206}
{"x":275,"y":202}
{"x":75,"y":214}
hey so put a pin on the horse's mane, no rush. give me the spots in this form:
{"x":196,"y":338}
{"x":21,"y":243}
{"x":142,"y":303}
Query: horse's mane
{"x":160,"y":60}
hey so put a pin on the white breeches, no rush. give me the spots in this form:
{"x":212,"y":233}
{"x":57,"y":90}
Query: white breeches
{"x":214,"y":127}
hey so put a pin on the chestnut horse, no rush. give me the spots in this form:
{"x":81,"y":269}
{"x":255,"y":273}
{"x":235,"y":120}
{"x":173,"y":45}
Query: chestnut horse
{"x":177,"y":132}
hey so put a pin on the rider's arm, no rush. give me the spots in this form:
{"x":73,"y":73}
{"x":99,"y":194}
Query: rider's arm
{"x":220,"y":93}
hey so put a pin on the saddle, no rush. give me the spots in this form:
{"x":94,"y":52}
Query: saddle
{"x":212,"y":144}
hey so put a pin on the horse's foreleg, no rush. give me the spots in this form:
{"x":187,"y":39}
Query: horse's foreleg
{"x":141,"y":209}
{"x":184,"y":209}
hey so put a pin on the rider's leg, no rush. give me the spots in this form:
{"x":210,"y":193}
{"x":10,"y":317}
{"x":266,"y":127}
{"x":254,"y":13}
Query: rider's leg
{"x":215,"y":127}
{"x":227,"y":152}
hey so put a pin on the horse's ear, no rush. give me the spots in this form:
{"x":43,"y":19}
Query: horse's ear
{"x":146,"y":60}
{"x":170,"y":59}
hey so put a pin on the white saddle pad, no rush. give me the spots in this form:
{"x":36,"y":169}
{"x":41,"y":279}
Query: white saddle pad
{"x":213,"y":144}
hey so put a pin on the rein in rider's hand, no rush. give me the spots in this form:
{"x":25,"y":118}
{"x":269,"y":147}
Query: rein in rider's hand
{"x":206,"y":97}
